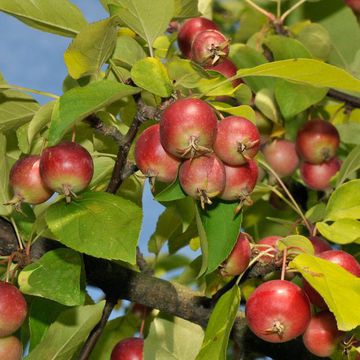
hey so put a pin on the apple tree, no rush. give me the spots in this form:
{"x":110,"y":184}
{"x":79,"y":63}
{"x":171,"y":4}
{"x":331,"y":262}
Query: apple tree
{"x":242,"y":118}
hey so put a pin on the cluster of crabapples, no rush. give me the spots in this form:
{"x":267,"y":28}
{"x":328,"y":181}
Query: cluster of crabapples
{"x":211,"y":158}
{"x":279,"y":310}
{"x":13,"y":311}
{"x":316,"y":145}
{"x":66,"y":168}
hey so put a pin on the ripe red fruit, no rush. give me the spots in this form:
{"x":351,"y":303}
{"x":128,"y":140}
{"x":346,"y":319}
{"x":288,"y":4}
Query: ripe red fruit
{"x":226,"y":68}
{"x":202,"y":178}
{"x":354,"y":5}
{"x":317,"y":141}
{"x":320,"y":245}
{"x":13,"y":309}
{"x":278,"y":311}
{"x":188,"y":128}
{"x":128,"y":349}
{"x":237,"y":140}
{"x":209,"y":47}
{"x":318,"y":176}
{"x":66,"y":168}
{"x":322,"y":335}
{"x":189,"y":30}
{"x":339,"y":257}
{"x":281,"y":155}
{"x":239,"y":258}
{"x":26,"y":181}
{"x":10,"y":348}
{"x":151,"y":158}
{"x":240,"y":181}
{"x":267,"y":242}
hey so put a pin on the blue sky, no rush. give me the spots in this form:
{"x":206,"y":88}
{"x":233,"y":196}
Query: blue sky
{"x":34,"y":59}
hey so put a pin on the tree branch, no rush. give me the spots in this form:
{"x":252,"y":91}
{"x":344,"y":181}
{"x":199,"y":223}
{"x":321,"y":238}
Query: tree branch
{"x":350,"y":100}
{"x":101,"y":128}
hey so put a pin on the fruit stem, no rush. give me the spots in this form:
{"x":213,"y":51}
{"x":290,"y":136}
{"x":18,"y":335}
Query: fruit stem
{"x":283,"y":268}
{"x":289,"y":11}
{"x":21,"y":88}
{"x":269,"y":15}
{"x":18,"y":237}
{"x":297,"y":207}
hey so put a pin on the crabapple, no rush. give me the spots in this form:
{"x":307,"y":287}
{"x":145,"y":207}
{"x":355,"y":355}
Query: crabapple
{"x":320,"y":245}
{"x":202,"y":178}
{"x":10,"y":348}
{"x":188,"y":128}
{"x":151,"y":158}
{"x":318,"y":176}
{"x":189,"y":30}
{"x":209,"y":47}
{"x":317,"y":141}
{"x":226,"y":68}
{"x":339,"y":257}
{"x":128,"y":349}
{"x":322,"y":335}
{"x":66,"y":168}
{"x":354,"y":5}
{"x":237,"y":140}
{"x":281,"y":155}
{"x":268,"y":242}
{"x":278,"y":311}
{"x":13,"y":309}
{"x":239,"y":258}
{"x":239,"y":181}
{"x":27,"y":183}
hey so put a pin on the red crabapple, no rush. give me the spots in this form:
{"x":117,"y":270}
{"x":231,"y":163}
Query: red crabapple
{"x":239,"y":258}
{"x":209,"y":47}
{"x":322,"y":335}
{"x":151,"y":158}
{"x":188,"y":128}
{"x":237,"y":140}
{"x":268,"y":242}
{"x":354,"y":5}
{"x":226,"y":68}
{"x":281,"y":155}
{"x":320,"y":245}
{"x":13,"y":309}
{"x":128,"y":349}
{"x":317,"y":141}
{"x":189,"y":30}
{"x":240,"y":181}
{"x":278,"y":311}
{"x":27,"y":183}
{"x":10,"y":348}
{"x":66,"y":168}
{"x":318,"y":176}
{"x":202,"y":178}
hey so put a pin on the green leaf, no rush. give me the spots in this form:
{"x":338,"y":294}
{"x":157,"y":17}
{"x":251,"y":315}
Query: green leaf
{"x":41,"y":118}
{"x":220,"y":323}
{"x":343,"y":231}
{"x":221,"y":228}
{"x":283,"y":47}
{"x":316,"y":213}
{"x":149,"y":19}
{"x":265,"y":102}
{"x":5,"y":210}
{"x":169,"y":340}
{"x":350,"y":165}
{"x":91,"y":48}
{"x":98,"y":224}
{"x":103,"y":167}
{"x":59,"y":17}
{"x":296,"y":243}
{"x":127,"y":51}
{"x":171,"y":192}
{"x":115,"y":330}
{"x":65,"y":287}
{"x":186,"y":9}
{"x":295,"y":98}
{"x":349,"y":132}
{"x":339,"y":288}
{"x":245,"y":111}
{"x":16,"y":108}
{"x":65,"y":336}
{"x":78,"y":103}
{"x":307,"y":71}
{"x":344,"y":202}
{"x":42,"y":313}
{"x":151,"y":75}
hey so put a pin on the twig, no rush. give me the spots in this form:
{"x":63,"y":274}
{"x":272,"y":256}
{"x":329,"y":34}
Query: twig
{"x":223,"y":290}
{"x":97,"y":330}
{"x":350,"y":100}
{"x":268,"y":14}
{"x":101,"y":128}
{"x":288,"y":12}
{"x":141,"y":262}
